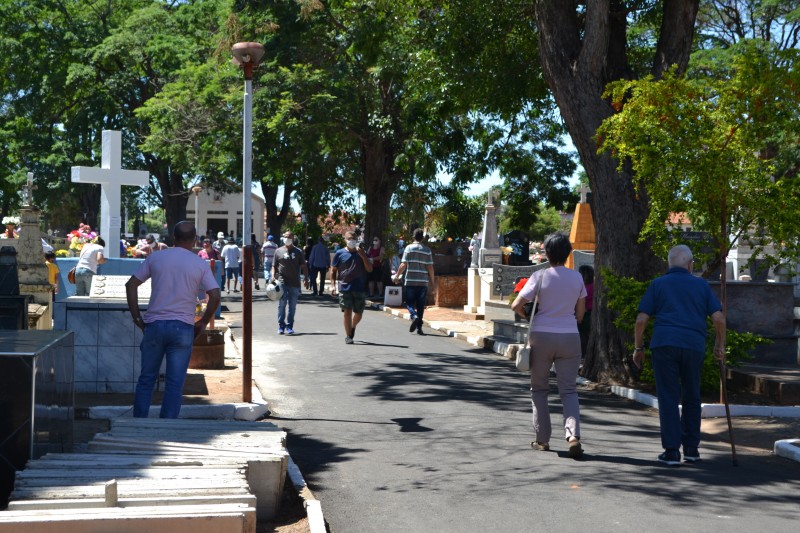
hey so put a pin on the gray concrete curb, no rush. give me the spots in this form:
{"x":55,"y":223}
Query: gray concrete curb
{"x":313,"y":507}
{"x":789,"y":448}
{"x":223,"y":411}
{"x":316,"y":522}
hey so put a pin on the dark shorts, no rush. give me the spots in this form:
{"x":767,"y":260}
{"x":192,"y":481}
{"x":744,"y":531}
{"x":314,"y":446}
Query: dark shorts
{"x":232,"y":273}
{"x":352,"y":300}
{"x":376,"y":274}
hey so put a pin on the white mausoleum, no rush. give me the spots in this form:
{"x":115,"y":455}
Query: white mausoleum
{"x":218,"y":211}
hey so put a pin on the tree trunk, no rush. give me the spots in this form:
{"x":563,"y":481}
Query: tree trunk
{"x":174,"y":193}
{"x":579,"y":57}
{"x":276,"y":217}
{"x":377,"y":160}
{"x":89,"y":201}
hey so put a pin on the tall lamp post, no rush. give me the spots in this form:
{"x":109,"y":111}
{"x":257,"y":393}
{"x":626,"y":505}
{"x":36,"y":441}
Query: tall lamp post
{"x":247,"y":56}
{"x":196,"y":190}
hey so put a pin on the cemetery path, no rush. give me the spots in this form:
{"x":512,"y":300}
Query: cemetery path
{"x":401,"y":432}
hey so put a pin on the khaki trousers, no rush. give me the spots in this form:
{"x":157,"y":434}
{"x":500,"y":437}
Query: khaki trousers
{"x":563,"y":350}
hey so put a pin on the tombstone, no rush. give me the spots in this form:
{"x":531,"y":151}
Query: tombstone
{"x":582,"y":258}
{"x":759,"y":269}
{"x":13,"y":305}
{"x":111,"y":178}
{"x":32,"y":272}
{"x":36,"y":399}
{"x":490,"y":244}
{"x":520,"y":248}
{"x":582,"y":232}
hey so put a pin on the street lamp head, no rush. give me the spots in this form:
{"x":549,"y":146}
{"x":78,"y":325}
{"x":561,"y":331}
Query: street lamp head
{"x":196,"y":189}
{"x":248,"y":56}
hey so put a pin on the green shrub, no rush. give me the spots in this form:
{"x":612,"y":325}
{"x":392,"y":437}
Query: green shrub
{"x":624,"y":295}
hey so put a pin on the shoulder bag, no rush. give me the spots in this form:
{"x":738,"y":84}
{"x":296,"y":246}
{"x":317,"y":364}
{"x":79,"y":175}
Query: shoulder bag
{"x":71,"y":275}
{"x":523,"y":361}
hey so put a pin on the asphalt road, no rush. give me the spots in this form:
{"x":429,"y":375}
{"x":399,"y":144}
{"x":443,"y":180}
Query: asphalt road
{"x":400,"y":432}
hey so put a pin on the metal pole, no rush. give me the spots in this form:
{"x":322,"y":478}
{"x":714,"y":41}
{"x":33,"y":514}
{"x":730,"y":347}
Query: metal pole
{"x":247,"y":260}
{"x":723,"y":376}
{"x":196,"y":213}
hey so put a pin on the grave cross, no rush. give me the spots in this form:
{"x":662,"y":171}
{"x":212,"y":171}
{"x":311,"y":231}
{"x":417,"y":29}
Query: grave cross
{"x":111,"y":177}
{"x":584,"y":190}
{"x":27,"y":190}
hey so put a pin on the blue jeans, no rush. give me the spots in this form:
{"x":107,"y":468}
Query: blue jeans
{"x":416,"y":296}
{"x":174,"y":339}
{"x":267,"y":271}
{"x":289,"y":296}
{"x":677,"y":372}
{"x":83,"y":281}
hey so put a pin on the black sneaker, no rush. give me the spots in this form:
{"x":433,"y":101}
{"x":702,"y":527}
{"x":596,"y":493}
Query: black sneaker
{"x":414,"y":325}
{"x":670,"y":458}
{"x":691,"y":455}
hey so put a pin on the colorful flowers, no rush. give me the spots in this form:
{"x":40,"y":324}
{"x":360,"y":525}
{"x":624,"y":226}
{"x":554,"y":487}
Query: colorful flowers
{"x":78,"y":237}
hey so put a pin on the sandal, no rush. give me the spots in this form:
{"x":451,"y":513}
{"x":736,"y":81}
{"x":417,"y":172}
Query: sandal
{"x":575,"y":449}
{"x":540,"y":446}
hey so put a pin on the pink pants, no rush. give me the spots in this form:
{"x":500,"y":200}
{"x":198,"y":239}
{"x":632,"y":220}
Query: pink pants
{"x":563,"y":350}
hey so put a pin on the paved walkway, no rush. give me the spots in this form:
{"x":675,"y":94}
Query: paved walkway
{"x":218,"y":393}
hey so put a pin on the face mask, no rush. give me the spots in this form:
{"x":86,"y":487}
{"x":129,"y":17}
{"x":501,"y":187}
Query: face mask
{"x":287,"y":241}
{"x":352,"y":244}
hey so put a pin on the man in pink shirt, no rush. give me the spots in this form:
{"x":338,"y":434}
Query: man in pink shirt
{"x":176,"y":275}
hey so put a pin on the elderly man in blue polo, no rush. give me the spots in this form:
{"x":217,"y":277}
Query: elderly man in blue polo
{"x":680,"y":303}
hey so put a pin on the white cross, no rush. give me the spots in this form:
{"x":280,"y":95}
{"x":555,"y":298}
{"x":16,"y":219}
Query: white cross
{"x":584,"y":190}
{"x":111,"y":177}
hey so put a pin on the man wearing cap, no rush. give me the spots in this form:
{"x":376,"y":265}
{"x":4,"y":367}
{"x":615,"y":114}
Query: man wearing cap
{"x":233,"y":257}
{"x":268,"y":253}
{"x":350,"y":265}
{"x":219,"y":244}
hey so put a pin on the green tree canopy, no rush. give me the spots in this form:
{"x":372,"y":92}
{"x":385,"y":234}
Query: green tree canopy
{"x":709,"y":145}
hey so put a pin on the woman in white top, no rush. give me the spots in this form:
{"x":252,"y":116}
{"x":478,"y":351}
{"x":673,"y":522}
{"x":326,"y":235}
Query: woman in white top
{"x":91,"y":256}
{"x":554,"y":339}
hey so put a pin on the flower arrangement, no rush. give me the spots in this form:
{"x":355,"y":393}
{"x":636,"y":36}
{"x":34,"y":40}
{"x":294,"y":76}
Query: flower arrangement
{"x":78,"y":237}
{"x":11,"y":224}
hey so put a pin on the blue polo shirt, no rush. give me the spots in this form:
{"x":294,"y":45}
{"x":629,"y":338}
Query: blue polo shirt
{"x":680,"y":303}
{"x":351,"y":270}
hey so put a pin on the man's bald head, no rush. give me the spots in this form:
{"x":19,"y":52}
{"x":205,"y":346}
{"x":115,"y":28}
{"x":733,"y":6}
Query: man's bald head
{"x":184,"y":234}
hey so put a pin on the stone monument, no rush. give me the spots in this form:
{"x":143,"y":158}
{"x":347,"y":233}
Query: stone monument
{"x":32,"y":272}
{"x":582,"y":234}
{"x":111,"y":178}
{"x":490,"y":241}
{"x":479,"y":275}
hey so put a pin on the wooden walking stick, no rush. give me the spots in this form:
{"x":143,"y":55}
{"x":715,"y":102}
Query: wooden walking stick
{"x":724,"y":393}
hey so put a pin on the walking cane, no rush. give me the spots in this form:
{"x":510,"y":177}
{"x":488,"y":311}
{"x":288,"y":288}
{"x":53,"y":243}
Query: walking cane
{"x":722,"y":376}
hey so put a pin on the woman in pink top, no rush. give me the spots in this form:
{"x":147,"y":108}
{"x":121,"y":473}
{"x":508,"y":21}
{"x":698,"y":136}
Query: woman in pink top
{"x":554,"y":340}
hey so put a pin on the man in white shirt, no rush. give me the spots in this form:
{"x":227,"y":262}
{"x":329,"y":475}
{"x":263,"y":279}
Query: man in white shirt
{"x":232,"y":257}
{"x":268,"y":253}
{"x":169,"y":326}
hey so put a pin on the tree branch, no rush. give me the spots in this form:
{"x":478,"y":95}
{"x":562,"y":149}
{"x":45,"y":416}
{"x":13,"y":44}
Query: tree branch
{"x":675,"y":37}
